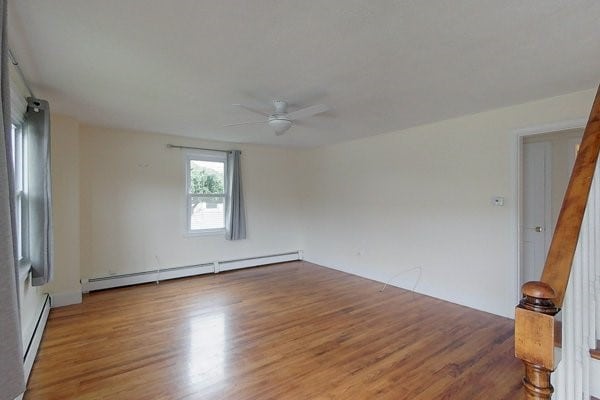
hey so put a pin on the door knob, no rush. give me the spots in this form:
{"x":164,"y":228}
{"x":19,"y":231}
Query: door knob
{"x":539,"y":229}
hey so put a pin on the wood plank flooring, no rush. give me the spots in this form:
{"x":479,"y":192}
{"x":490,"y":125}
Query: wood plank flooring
{"x":286,"y":331}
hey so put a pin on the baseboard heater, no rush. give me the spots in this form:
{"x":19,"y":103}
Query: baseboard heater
{"x":36,"y":338}
{"x":89,"y":285}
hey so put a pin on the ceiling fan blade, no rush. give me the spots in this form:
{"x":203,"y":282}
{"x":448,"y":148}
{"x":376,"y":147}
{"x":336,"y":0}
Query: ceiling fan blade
{"x":252,"y":109}
{"x":308,"y":111}
{"x":247,"y":123}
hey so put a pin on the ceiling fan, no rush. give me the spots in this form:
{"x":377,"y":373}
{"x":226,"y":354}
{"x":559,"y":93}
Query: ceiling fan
{"x":281,"y":120}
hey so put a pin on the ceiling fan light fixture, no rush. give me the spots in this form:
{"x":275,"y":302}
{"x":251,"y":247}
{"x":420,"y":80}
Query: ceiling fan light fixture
{"x":280,"y":125}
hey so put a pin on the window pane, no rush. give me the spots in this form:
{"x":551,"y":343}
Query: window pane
{"x":20,"y":176}
{"x":14,"y":145}
{"x":207,"y":177}
{"x":19,"y":227}
{"x":17,"y":154}
{"x":20,"y":196}
{"x":207,"y":212}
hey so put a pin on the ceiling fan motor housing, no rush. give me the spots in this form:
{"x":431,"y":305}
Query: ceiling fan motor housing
{"x":280,"y":106}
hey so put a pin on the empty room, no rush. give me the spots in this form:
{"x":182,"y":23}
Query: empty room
{"x":300,"y":200}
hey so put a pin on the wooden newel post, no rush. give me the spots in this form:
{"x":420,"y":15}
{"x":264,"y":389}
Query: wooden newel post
{"x":534,"y":338}
{"x":538,"y":297}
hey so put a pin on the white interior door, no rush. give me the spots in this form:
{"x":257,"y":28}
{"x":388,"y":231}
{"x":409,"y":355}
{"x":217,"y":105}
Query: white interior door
{"x":535,"y":210}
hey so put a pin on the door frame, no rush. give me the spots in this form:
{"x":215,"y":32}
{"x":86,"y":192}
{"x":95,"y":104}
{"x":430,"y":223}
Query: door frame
{"x":517,"y":172}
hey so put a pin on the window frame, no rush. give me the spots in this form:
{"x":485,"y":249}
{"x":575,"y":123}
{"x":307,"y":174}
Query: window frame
{"x":210,"y":156}
{"x":21,"y":195}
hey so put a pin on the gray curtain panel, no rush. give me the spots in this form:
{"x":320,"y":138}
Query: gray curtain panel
{"x":37,"y":131}
{"x":235,"y":215}
{"x":12,"y":381}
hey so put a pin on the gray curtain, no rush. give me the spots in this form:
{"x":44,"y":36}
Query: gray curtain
{"x":37,"y":132}
{"x":12,"y":381}
{"x":235,"y":215}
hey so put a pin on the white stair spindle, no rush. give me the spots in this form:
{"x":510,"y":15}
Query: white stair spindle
{"x":575,"y":378}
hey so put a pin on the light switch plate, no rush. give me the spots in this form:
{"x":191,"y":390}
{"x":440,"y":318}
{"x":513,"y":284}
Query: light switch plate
{"x":498,"y":201}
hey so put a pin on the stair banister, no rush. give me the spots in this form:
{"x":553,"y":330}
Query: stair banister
{"x":535,"y":323}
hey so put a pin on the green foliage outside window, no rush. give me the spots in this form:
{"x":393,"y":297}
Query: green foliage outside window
{"x":206,"y":181}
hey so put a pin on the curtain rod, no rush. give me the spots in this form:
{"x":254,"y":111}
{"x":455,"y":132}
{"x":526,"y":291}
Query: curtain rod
{"x":14,"y":62}
{"x":174,"y":146}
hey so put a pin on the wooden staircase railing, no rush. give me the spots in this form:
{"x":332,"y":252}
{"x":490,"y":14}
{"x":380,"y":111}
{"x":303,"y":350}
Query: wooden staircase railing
{"x":535,"y":323}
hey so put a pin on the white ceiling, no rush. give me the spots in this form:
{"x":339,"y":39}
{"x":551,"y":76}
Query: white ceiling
{"x":177,"y":66}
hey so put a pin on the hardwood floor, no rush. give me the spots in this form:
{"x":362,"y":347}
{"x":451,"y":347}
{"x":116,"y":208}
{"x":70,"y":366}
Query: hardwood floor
{"x":286,"y":331}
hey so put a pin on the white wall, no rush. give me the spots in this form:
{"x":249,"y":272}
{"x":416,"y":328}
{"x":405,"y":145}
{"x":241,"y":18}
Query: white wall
{"x":132,"y":205}
{"x":65,"y":285}
{"x":421,"y":197}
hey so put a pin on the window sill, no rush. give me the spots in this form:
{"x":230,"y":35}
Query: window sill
{"x":23,"y":270}
{"x":205,"y":232}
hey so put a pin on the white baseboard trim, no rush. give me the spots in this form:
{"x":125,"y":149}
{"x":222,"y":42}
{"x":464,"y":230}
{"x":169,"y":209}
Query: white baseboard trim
{"x":109,"y":282}
{"x":65,"y":298}
{"x":34,"y":343}
{"x":89,"y":285}
{"x":256,"y":261}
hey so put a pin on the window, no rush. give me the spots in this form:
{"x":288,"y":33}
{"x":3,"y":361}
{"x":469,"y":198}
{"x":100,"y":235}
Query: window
{"x":20,"y":171}
{"x":206,"y":191}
